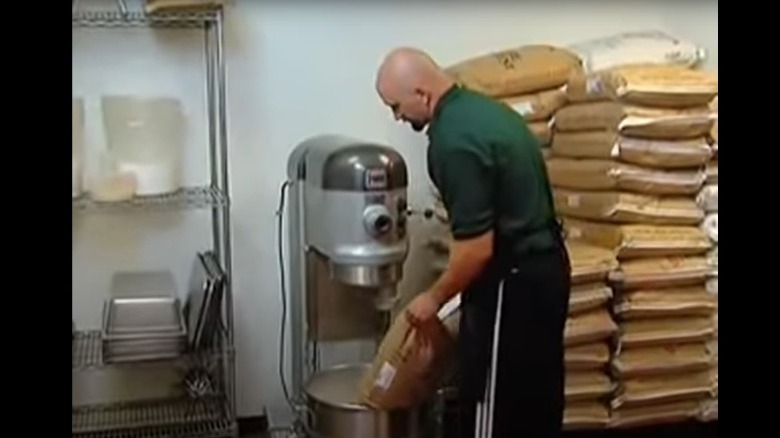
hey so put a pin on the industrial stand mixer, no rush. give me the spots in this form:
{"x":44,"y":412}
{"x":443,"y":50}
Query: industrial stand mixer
{"x":347,"y":240}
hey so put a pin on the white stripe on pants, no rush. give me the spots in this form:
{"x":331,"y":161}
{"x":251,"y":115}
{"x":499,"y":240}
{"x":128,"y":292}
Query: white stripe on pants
{"x":484,"y":416}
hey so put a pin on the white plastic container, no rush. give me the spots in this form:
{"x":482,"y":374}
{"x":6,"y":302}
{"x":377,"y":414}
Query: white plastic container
{"x":143,"y":128}
{"x":152,"y":179}
{"x":146,"y":136}
{"x":109,"y":184}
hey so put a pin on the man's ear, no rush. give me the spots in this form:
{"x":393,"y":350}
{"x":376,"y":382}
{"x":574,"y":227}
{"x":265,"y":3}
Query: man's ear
{"x":423,"y":96}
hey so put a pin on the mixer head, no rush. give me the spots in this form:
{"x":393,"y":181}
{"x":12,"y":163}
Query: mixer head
{"x":354,"y":208}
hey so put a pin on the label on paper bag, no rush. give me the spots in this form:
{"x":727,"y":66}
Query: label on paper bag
{"x":385,"y":377}
{"x":523,"y":108}
{"x":594,"y":85}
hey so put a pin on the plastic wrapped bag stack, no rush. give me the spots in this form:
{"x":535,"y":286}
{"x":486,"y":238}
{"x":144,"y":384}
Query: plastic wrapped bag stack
{"x":627,"y":136}
{"x":589,"y":335}
{"x":708,"y":200}
{"x":628,"y":163}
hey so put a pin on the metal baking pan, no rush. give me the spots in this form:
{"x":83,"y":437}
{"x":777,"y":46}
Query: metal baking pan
{"x":146,"y":344}
{"x":212,"y":316}
{"x":207,"y":284}
{"x":199,"y":289}
{"x":143,"y":284}
{"x":143,"y":349}
{"x":172,"y":350}
{"x":139,"y":357}
{"x":143,"y":318}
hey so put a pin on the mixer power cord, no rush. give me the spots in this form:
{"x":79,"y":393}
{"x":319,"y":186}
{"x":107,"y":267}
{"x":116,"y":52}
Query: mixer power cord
{"x":283,"y":281}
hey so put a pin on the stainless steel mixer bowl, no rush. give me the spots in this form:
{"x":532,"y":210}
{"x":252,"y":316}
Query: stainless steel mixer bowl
{"x":367,"y":276}
{"x":334,"y":413}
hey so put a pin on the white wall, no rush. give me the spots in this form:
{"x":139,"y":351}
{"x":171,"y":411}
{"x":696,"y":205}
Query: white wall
{"x":297,"y":70}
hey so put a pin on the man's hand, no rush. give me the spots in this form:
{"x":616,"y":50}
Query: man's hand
{"x":423,"y":309}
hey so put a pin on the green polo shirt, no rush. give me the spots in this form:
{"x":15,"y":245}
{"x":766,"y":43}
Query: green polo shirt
{"x":489,"y":169}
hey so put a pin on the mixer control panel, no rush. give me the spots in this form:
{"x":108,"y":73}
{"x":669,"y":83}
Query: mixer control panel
{"x":402,"y":211}
{"x":383,"y":213}
{"x":378,"y":220}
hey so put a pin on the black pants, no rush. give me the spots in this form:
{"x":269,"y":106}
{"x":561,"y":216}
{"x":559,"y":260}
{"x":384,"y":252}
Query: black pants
{"x":514,"y":387}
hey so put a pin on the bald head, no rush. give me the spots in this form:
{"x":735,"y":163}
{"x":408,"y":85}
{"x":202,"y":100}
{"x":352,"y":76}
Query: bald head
{"x":406,"y":66}
{"x":411,"y":83}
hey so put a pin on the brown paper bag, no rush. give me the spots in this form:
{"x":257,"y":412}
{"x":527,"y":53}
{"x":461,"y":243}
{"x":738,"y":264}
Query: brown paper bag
{"x":542,"y":131}
{"x":601,"y":174}
{"x":664,"y":85}
{"x":587,"y":356}
{"x":589,"y":296}
{"x":589,"y":263}
{"x":653,"y":390}
{"x":712,"y":172}
{"x":633,"y":241}
{"x":404,"y":372}
{"x":649,"y":84}
{"x":636,"y":121}
{"x":606,"y":144}
{"x":587,"y":385}
{"x":663,"y":360}
{"x":595,"y":326}
{"x":585,"y":415}
{"x":617,"y":207}
{"x":537,"y":107}
{"x":663,"y":413}
{"x":671,"y":302}
{"x":664,"y":331}
{"x":521,"y":70}
{"x":662,"y":272}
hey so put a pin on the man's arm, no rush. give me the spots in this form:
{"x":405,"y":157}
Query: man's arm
{"x":466,"y":260}
{"x":468,"y":181}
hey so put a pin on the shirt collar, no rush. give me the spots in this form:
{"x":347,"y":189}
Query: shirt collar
{"x":446,"y":97}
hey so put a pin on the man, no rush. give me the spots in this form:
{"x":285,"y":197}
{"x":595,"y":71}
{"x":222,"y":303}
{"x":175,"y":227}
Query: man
{"x":507,"y":254}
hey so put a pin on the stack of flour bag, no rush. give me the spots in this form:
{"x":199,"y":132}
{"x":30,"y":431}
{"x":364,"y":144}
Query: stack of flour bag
{"x":628,"y":126}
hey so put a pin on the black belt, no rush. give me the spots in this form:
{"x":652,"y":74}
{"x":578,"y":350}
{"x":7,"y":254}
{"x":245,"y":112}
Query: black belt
{"x":505,"y":257}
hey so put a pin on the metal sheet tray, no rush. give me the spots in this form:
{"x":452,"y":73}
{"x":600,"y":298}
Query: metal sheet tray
{"x":137,"y":284}
{"x":178,"y":343}
{"x":129,"y":350}
{"x":143,"y":318}
{"x":206,"y":290}
{"x":141,"y":357}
